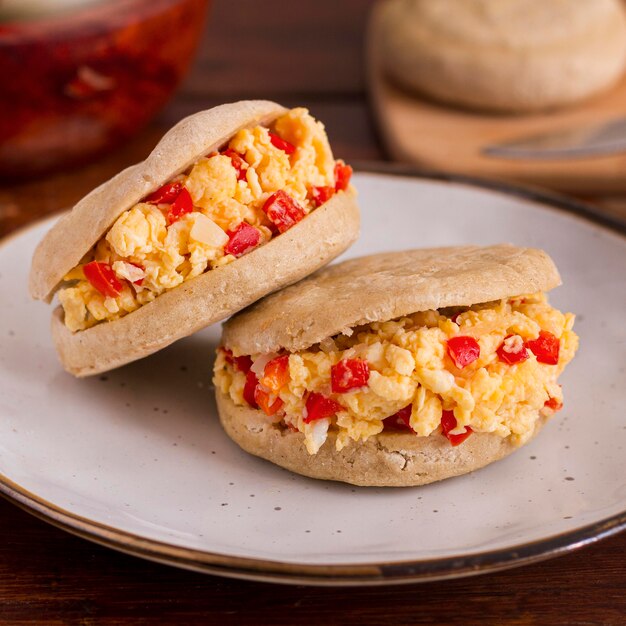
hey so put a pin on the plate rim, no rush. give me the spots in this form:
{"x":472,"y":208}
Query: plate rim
{"x":374,"y":573}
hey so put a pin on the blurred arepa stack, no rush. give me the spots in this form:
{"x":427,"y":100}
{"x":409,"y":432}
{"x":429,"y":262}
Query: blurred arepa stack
{"x":453,"y":81}
{"x":505,"y":55}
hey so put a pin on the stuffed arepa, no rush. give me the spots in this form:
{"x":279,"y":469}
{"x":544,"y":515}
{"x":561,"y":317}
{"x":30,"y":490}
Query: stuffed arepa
{"x":400,"y":368}
{"x":232,"y":204}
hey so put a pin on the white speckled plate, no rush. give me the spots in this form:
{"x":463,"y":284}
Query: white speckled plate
{"x":137,"y":460}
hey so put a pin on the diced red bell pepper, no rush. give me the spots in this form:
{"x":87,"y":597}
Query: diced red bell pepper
{"x":249,"y":388}
{"x":242,"y":239}
{"x":283,"y":211}
{"x":554,"y":404}
{"x":103,"y":278}
{"x":349,"y":374}
{"x":228,"y":355}
{"x":448,"y":423}
{"x":276,"y":373}
{"x":281,"y":144}
{"x":238,"y":163}
{"x":463,"y":350}
{"x":343,"y":173}
{"x":242,"y":363}
{"x":320,"y":195}
{"x":319,"y":406}
{"x":511,"y":355}
{"x":165,"y":194}
{"x":400,"y":420}
{"x":546,"y":348}
{"x":181,"y":206}
{"x":262,"y":399}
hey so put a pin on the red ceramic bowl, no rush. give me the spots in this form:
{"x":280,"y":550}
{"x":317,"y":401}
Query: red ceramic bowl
{"x":77,"y":83}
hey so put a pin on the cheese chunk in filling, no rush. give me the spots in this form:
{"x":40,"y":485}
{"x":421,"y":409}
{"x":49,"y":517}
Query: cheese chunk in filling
{"x":260,"y":184}
{"x":489,"y":368}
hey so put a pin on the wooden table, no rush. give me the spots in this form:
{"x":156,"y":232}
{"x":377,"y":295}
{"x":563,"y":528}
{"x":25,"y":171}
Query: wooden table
{"x":47,"y":576}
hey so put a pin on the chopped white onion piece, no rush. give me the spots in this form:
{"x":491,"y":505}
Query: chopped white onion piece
{"x":128,"y":271}
{"x":315,"y":434}
{"x":513,"y":344}
{"x":205,"y":230}
{"x":258,"y":367}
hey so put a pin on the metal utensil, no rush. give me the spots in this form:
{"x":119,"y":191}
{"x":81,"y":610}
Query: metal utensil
{"x":569,"y":143}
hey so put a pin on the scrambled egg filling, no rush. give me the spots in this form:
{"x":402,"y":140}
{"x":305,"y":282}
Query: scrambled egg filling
{"x":410,"y":365}
{"x":147,"y":252}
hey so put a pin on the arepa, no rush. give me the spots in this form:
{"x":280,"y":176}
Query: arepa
{"x":232,"y":204}
{"x":398,"y":369}
{"x":512,"y":56}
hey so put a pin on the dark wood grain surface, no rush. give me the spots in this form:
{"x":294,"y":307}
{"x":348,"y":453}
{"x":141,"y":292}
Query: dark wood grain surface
{"x":306,"y":52}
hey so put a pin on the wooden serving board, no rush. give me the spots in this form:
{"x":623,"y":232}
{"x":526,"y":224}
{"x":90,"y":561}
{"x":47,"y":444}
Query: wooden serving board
{"x":435,"y":136}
